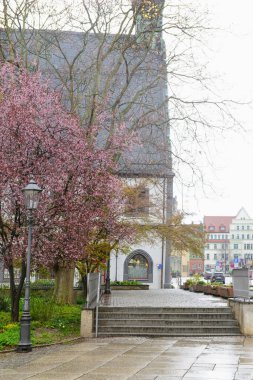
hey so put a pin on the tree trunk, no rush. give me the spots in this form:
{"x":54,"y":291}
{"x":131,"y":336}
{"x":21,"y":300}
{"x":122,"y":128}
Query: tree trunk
{"x":16,"y":291}
{"x":63,"y":290}
{"x":84,"y":283}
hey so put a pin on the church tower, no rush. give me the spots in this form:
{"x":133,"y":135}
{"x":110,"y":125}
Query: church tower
{"x":149,"y":22}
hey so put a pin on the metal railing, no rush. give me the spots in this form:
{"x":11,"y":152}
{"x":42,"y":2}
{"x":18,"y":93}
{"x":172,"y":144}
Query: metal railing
{"x":94,"y":294}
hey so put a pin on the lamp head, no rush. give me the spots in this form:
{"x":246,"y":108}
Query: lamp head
{"x":31,"y":194}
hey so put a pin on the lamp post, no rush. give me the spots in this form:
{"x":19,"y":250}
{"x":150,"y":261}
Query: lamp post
{"x":107,"y":279}
{"x":31,"y":195}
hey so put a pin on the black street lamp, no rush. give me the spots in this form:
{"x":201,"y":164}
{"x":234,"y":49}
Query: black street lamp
{"x":107,"y":279}
{"x":31,"y":195}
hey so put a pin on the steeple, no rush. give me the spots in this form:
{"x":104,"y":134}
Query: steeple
{"x":149,"y":21}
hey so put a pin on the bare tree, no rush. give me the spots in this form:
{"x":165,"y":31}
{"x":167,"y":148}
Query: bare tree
{"x":109,"y":57}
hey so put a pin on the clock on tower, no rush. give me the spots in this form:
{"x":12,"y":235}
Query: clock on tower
{"x":148,"y":19}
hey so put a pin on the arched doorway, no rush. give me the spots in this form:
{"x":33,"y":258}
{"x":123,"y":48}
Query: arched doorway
{"x":138,"y":266}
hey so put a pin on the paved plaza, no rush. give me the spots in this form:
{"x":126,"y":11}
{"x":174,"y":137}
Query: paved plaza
{"x":161,"y":298}
{"x":224,"y":358}
{"x":137,"y":358}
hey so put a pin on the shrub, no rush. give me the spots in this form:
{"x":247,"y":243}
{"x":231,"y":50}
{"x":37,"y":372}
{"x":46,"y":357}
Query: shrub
{"x":115,"y":283}
{"x":9,"y":335}
{"x":5,"y":303}
{"x":42,"y":284}
{"x":41,"y":309}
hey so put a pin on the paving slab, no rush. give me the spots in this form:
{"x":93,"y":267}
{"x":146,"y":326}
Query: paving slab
{"x":134,"y":359}
{"x":161,"y":298}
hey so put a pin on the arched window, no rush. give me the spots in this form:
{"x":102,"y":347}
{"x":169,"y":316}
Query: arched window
{"x":138,"y":266}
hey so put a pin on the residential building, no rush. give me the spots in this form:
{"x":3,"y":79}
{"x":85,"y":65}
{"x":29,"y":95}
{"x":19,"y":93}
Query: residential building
{"x":217,"y":250}
{"x":229,"y":242}
{"x":196,"y":264}
{"x":241,"y":240}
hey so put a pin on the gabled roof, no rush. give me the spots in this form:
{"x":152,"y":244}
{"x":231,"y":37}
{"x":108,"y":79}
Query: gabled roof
{"x":217,"y":222}
{"x":242,"y":214}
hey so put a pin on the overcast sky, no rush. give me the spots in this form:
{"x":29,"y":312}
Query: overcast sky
{"x":232,"y":174}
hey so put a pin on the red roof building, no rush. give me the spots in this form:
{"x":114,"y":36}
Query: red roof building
{"x":216,"y":252}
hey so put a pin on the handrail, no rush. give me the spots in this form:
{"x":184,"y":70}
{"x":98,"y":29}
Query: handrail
{"x":94,"y":294}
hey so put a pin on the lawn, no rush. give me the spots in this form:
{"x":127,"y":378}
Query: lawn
{"x":51,"y":323}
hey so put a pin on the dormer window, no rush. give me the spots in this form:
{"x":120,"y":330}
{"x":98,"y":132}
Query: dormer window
{"x":222,"y":228}
{"x":211,"y":228}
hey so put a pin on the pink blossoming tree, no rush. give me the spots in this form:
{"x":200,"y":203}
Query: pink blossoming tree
{"x":80,"y":193}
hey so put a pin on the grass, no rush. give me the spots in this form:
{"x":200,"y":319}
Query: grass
{"x":59,"y":322}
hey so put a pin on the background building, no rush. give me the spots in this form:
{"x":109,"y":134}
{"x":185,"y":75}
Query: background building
{"x":241,"y":240}
{"x":217,"y":250}
{"x":229,"y":242}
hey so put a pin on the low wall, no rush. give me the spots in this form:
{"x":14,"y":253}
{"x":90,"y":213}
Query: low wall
{"x":129,"y":287}
{"x":87,"y":317}
{"x":243,"y":312}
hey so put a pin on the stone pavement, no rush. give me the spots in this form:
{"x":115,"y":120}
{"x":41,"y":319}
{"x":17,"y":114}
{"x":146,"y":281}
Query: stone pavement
{"x":161,"y":298}
{"x":214,"y":358}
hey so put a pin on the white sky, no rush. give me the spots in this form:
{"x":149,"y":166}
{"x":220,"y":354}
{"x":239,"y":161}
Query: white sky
{"x":232,"y":175}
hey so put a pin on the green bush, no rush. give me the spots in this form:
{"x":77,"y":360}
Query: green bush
{"x":9,"y":335}
{"x":66,"y":318}
{"x":115,"y":283}
{"x":43,"y":283}
{"x":5,"y":303}
{"x":41,"y":309}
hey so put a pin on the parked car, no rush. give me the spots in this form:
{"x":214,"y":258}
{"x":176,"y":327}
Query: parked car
{"x":207,"y":275}
{"x":218,"y":277}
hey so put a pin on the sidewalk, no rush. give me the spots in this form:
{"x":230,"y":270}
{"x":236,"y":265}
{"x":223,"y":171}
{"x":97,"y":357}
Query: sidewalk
{"x":136,"y":359}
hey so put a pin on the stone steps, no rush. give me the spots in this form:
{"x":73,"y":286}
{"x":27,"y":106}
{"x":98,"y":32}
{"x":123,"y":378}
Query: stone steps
{"x":164,"y":323}
{"x":168,"y":316}
{"x":151,"y":321}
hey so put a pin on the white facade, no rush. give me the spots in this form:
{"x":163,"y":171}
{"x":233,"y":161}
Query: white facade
{"x":119,"y":264}
{"x":145,"y":262}
{"x":241,"y":240}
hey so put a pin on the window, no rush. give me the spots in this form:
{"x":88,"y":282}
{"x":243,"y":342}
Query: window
{"x":237,"y":227}
{"x":235,"y":246}
{"x":207,"y":256}
{"x":138,"y":268}
{"x":222,"y":228}
{"x":215,"y":246}
{"x":138,"y":201}
{"x":247,"y":227}
{"x":211,"y":228}
{"x":223,"y":246}
{"x":237,"y":237}
{"x":138,"y":265}
{"x":207,"y":246}
{"x":242,"y":236}
{"x":233,"y":236}
{"x":194,"y":266}
{"x":248,"y":236}
{"x":215,"y":237}
{"x":242,"y":227}
{"x":211,"y":236}
{"x":215,"y":256}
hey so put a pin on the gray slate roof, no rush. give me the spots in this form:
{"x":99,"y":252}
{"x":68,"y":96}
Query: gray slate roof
{"x":72,"y":58}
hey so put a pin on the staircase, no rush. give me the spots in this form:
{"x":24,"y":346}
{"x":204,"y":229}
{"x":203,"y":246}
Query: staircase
{"x":157,"y":321}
